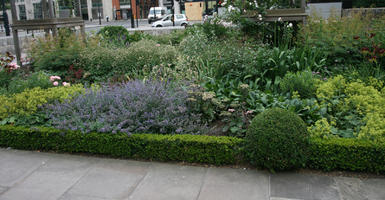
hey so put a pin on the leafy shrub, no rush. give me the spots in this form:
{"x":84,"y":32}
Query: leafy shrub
{"x":56,"y":54}
{"x":301,"y":82}
{"x":8,"y":70}
{"x":326,"y":154}
{"x":343,"y":39}
{"x":347,"y":154}
{"x":188,"y":148}
{"x":354,"y":109}
{"x":174,"y":38}
{"x":118,"y":36}
{"x":277,"y":140}
{"x":37,"y":79}
{"x":29,"y":101}
{"x":133,"y":107}
{"x":103,"y":63}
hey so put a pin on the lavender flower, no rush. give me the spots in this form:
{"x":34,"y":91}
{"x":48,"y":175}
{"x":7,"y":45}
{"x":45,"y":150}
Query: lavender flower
{"x":133,"y":107}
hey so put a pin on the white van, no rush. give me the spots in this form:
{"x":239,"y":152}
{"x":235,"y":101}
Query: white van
{"x":155,"y":14}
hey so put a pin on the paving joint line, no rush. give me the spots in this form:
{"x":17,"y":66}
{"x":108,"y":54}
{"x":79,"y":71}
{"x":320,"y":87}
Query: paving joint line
{"x":202,"y":182}
{"x":140,"y":181}
{"x":28,"y":175}
{"x":77,"y":181}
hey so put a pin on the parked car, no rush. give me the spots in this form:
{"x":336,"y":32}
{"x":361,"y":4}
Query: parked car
{"x":155,"y":14}
{"x":180,"y":20}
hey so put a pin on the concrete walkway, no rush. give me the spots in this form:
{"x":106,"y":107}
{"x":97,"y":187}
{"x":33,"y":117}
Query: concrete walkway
{"x":26,"y":175}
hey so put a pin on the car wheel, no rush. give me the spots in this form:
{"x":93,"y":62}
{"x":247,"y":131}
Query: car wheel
{"x":158,"y":25}
{"x":184,"y":24}
{"x":149,"y":21}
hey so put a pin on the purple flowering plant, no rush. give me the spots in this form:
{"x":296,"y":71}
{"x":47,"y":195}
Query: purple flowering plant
{"x":132,"y":107}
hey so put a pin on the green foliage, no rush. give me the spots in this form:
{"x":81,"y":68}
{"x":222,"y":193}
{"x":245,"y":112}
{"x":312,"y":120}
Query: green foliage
{"x":187,"y":148}
{"x":368,"y":3}
{"x":354,"y":109}
{"x":37,"y":79}
{"x":347,"y":41}
{"x":174,"y":38}
{"x":56,"y":54}
{"x":302,"y":82}
{"x":347,"y":154}
{"x":213,"y":29}
{"x":277,"y":140}
{"x":7,"y":73}
{"x":118,"y":36}
{"x":136,"y":61}
{"x":325,"y":154}
{"x":29,"y":101}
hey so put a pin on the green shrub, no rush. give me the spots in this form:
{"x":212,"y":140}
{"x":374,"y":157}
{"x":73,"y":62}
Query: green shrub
{"x":28,"y":101}
{"x":301,"y":82}
{"x":37,"y":79}
{"x":353,"y":109}
{"x":118,"y":36}
{"x":136,"y":61}
{"x":277,"y":140}
{"x":174,"y":38}
{"x":347,"y":41}
{"x":187,"y":148}
{"x":347,"y":154}
{"x":56,"y":54}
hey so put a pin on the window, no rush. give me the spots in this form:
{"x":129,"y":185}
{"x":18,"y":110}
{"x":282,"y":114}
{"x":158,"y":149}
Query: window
{"x":37,"y":11}
{"x":179,"y":17}
{"x":125,"y":2}
{"x":22,"y":12}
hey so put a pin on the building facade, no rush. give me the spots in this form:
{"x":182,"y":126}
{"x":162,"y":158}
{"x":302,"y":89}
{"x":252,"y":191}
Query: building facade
{"x":93,"y":9}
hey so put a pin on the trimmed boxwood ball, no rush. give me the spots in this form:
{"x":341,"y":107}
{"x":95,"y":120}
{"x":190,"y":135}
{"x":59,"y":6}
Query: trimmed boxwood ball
{"x":277,"y":139}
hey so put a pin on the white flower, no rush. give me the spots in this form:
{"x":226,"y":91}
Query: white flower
{"x":224,"y":3}
{"x":290,"y":25}
{"x":279,"y":19}
{"x":260,"y":17}
{"x":230,"y":8}
{"x":256,"y":4}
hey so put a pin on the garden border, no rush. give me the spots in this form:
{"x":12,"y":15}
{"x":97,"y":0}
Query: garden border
{"x":325,"y":154}
{"x":187,"y":148}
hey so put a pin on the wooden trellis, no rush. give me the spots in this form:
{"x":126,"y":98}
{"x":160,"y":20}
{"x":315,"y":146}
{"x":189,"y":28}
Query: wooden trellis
{"x":49,"y":23}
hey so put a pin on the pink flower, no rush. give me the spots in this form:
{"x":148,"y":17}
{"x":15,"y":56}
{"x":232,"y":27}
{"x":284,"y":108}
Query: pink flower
{"x":231,"y":110}
{"x":65,"y":84}
{"x":158,"y":45}
{"x":55,"y":83}
{"x":249,"y":112}
{"x":53,"y":78}
{"x":13,"y":66}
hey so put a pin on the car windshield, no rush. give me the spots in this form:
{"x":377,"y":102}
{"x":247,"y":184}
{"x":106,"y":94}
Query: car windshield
{"x":156,"y":11}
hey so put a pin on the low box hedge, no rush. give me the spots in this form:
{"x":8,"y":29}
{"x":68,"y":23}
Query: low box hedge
{"x":188,"y":148}
{"x":347,"y":154}
{"x":326,"y":154}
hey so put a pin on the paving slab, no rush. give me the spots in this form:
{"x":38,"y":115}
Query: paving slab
{"x":303,"y":186}
{"x":170,"y":182}
{"x":374,"y":188}
{"x":16,"y":165}
{"x":235,"y":184}
{"x":80,"y":197}
{"x":51,"y":180}
{"x":3,"y":189}
{"x":110,"y":179}
{"x":350,"y":188}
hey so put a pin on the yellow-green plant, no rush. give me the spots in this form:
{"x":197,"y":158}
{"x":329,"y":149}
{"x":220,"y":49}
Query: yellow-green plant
{"x":28,"y":101}
{"x":355,"y":109}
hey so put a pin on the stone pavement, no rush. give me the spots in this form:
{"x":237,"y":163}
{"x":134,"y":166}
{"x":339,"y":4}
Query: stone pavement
{"x":26,"y":175}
